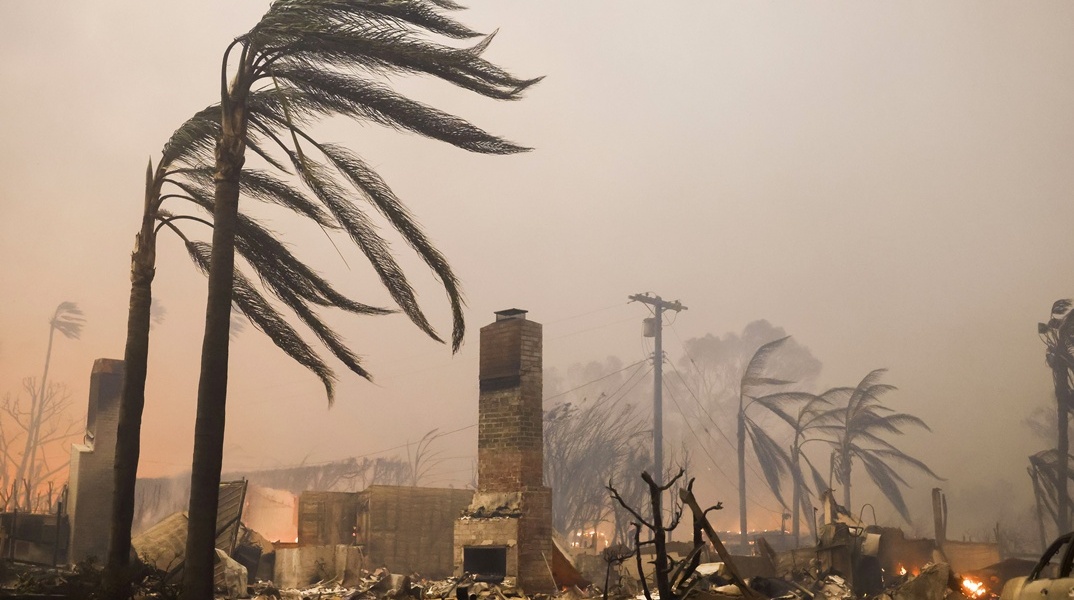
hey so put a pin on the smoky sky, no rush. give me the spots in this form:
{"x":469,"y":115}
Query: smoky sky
{"x":889,"y":183}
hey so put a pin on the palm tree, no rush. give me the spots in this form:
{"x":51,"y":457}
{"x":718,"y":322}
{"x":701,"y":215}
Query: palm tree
{"x":856,"y":434}
{"x":181,"y":175}
{"x":309,"y":59}
{"x":311,"y":51}
{"x":68,"y":320}
{"x":811,"y":415}
{"x":1058,"y":337}
{"x":770,"y":454}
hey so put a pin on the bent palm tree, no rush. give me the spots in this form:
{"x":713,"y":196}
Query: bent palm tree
{"x":181,"y":176}
{"x":770,"y":454}
{"x":301,"y":62}
{"x":1058,"y":337}
{"x":811,"y":415}
{"x":857,"y":436}
{"x":311,"y":59}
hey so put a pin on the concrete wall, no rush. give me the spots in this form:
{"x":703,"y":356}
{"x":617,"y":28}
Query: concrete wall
{"x":302,"y":566}
{"x":410,"y":529}
{"x":92,"y":477}
{"x":327,"y":518}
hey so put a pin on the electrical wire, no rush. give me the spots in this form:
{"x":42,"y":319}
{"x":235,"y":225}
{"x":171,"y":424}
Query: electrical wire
{"x":702,"y":410}
{"x":603,"y":377}
{"x":704,"y":449}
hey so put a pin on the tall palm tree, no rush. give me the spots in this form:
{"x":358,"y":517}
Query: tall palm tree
{"x":770,"y":454}
{"x":1058,"y":337}
{"x":181,"y":181}
{"x":301,"y":62}
{"x":857,"y":435}
{"x":68,"y":320}
{"x":313,"y":58}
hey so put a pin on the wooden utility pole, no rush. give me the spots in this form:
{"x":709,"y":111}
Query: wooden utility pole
{"x":657,"y":320}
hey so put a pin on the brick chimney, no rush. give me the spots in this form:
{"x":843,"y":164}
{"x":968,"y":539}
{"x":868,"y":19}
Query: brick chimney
{"x":507,"y":531}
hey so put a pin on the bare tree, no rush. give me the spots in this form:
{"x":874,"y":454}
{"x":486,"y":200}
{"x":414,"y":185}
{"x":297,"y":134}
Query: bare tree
{"x":587,"y":444}
{"x":660,"y":532}
{"x":34,"y":431}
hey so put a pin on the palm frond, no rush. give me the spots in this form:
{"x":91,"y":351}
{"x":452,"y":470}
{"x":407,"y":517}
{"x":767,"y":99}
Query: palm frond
{"x":777,"y":404}
{"x":265,"y":318}
{"x":195,"y":139}
{"x":901,"y":457}
{"x":365,"y":236}
{"x":1060,"y":307}
{"x":280,"y":270}
{"x":68,"y":320}
{"x":772,"y":458}
{"x":754,"y":373}
{"x":870,"y":396}
{"x":264,"y":187}
{"x":447,"y":4}
{"x":323,"y":332}
{"x":285,"y":15}
{"x":383,"y":50}
{"x":277,"y":267}
{"x":861,"y":390}
{"x":357,"y":98}
{"x":382,"y":197}
{"x":886,"y":480}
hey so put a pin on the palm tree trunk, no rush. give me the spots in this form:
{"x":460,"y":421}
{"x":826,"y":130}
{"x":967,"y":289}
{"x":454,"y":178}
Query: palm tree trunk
{"x":212,"y":386}
{"x":742,"y":472}
{"x":1062,"y":472}
{"x":796,"y":500}
{"x":132,"y":400}
{"x":37,"y":408}
{"x":845,"y":467}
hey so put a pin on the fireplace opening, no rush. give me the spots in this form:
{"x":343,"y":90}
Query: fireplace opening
{"x":485,"y":563}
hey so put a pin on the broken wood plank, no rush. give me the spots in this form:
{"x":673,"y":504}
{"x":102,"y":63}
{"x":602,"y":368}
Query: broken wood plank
{"x":688,"y":499}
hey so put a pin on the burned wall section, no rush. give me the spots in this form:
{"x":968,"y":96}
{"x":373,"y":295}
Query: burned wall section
{"x":510,"y":517}
{"x":406,"y":529}
{"x":409,"y":529}
{"x":327,"y":518}
{"x":92,"y":464}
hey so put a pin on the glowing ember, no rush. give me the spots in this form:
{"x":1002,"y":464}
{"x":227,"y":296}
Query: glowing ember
{"x":973,"y":588}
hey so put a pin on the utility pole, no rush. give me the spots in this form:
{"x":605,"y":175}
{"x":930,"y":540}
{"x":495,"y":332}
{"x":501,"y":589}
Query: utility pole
{"x":654,"y":327}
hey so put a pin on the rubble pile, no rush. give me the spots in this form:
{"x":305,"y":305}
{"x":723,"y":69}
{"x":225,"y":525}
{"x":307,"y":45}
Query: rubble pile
{"x":383,"y":585}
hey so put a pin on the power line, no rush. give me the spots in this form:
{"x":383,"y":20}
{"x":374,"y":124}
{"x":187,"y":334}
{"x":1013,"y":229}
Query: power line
{"x":700,"y":444}
{"x":603,"y":377}
{"x":704,"y":449}
{"x":632,"y":386}
{"x":702,"y":410}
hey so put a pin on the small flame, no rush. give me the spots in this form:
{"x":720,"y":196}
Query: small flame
{"x":974,"y":588}
{"x":902,"y":570}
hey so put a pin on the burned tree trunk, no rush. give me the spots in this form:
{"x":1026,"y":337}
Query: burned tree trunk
{"x":661,"y":563}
